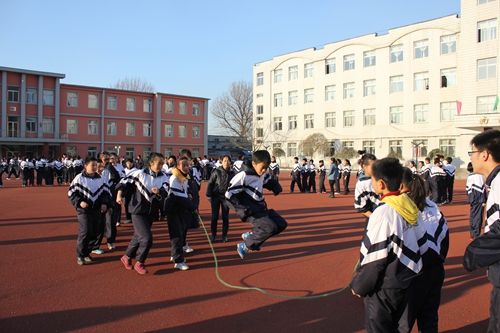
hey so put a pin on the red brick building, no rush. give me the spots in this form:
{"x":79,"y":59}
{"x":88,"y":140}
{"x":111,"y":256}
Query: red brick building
{"x":41,"y":116}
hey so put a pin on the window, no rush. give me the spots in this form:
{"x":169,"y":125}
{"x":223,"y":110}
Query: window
{"x":448,"y":77}
{"x":31,"y":96}
{"x":13,"y":94}
{"x":71,"y":126}
{"x":421,"y":150}
{"x":30,"y":124}
{"x":129,"y":129}
{"x":293,"y":97}
{"x":348,"y":90}
{"x":260,"y":95}
{"x":421,"y":81}
{"x":130,"y":103}
{"x":169,"y":106}
{"x":71,"y":150}
{"x":147,"y":129}
{"x":396,"y":84}
{"x":369,"y":146}
{"x":369,"y":58}
{"x":129,"y":152}
{"x":291,"y":149}
{"x":112,"y":102}
{"x":330,"y":93}
{"x":277,"y":124}
{"x":48,"y":125}
{"x":196,"y":109}
{"x":72,"y":100}
{"x":481,"y":2}
{"x":182,"y":108}
{"x":420,"y":113}
{"x":348,"y":144}
{"x":169,"y":130}
{"x":309,"y":121}
{"x":448,"y":111}
{"x":396,"y":148}
{"x":486,"y":68}
{"x":92,"y":151}
{"x":292,"y":122}
{"x":48,"y":97}
{"x":168,"y":152}
{"x":147,"y":105}
{"x":92,"y":101}
{"x":195,"y":152}
{"x":348,"y":118}
{"x":485,"y":104}
{"x":396,"y":53}
{"x":368,"y":117}
{"x":330,"y":119}
{"x":293,"y":73}
{"x":111,"y":128}
{"x":447,"y":146}
{"x":196,"y":131}
{"x":260,"y":79}
{"x":92,"y":127}
{"x":278,"y":100}
{"x":260,"y":109}
{"x":448,"y":44}
{"x":486,"y":30}
{"x":278,"y":75}
{"x":421,"y":49}
{"x":308,"y":70}
{"x":182,"y":131}
{"x":330,"y":66}
{"x":308,"y":95}
{"x":259,"y":132}
{"x":396,"y":115}
{"x":368,"y":87}
{"x":349,"y":63}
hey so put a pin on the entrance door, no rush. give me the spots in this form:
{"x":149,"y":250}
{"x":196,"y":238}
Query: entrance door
{"x":12,"y":127}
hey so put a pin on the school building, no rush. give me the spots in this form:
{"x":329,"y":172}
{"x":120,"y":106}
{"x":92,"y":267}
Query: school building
{"x":43,"y":117}
{"x":424,"y":86}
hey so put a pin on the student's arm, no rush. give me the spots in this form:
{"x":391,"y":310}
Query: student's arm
{"x":362,"y":204}
{"x":211,"y":183}
{"x":272,"y":185}
{"x":74,"y":194}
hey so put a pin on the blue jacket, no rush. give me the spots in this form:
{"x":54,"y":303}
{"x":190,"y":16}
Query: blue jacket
{"x":334,"y":172}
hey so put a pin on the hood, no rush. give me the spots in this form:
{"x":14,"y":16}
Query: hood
{"x":248,"y":168}
{"x":179,"y":174}
{"x":404,"y":206}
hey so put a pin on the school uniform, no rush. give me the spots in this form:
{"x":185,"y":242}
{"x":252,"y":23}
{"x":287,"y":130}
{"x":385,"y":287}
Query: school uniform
{"x":312,"y":178}
{"x":322,"y":175}
{"x":449,"y":169}
{"x":40,"y":172}
{"x":13,"y":165}
{"x":77,"y":166}
{"x":477,"y":197}
{"x":3,"y":169}
{"x":216,"y":189}
{"x":49,"y":173}
{"x":128,"y":216}
{"x":274,"y":170}
{"x":304,"y":175}
{"x":206,"y":168}
{"x":346,"y":176}
{"x":58,"y":168}
{"x":24,"y":172}
{"x":31,"y":173}
{"x":237,"y":166}
{"x":245,"y":195}
{"x":425,"y":175}
{"x":437,"y":184}
{"x":365,"y":199}
{"x":296,"y":171}
{"x":111,"y":175}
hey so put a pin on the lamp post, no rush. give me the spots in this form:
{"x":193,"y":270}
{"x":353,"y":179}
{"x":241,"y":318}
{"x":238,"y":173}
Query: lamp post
{"x":416,"y":146}
{"x":117,"y":149}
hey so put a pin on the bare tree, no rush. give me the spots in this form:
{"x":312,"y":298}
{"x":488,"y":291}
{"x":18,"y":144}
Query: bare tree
{"x":315,"y":142}
{"x":134,"y":84}
{"x":233,"y":110}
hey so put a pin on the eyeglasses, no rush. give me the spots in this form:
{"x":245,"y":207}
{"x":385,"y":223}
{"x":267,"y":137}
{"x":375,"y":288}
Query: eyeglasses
{"x":473,"y":151}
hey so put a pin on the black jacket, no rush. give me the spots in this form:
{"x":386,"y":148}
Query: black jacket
{"x":219,"y":182}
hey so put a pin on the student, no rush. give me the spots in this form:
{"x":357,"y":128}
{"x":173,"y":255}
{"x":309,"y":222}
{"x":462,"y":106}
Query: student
{"x":477,"y":197}
{"x":337,"y":180}
{"x":274,"y":169}
{"x":365,"y":198}
{"x":304,"y":175}
{"x":424,"y":295}
{"x":346,"y":175}
{"x":40,"y":172}
{"x":24,"y":171}
{"x":449,"y":169}
{"x":128,"y":170}
{"x":58,"y":168}
{"x":90,"y":195}
{"x":390,"y":252}
{"x":322,"y":175}
{"x":245,"y":195}
{"x":437,"y":182}
{"x":411,"y":165}
{"x":148,"y":188}
{"x":312,"y":177}
{"x":333,"y":174}
{"x":3,"y":169}
{"x":425,"y":173}
{"x":484,"y":251}
{"x":216,"y":189}
{"x":296,"y":170}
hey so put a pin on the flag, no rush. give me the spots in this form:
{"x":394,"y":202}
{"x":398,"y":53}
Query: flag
{"x":496,"y":103}
{"x":459,"y":107}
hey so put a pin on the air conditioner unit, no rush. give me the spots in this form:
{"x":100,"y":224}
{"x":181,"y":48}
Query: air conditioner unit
{"x":12,"y":108}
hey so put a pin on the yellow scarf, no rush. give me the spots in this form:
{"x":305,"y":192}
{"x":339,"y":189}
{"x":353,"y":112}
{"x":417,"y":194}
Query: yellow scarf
{"x":177,"y":173}
{"x":404,"y":206}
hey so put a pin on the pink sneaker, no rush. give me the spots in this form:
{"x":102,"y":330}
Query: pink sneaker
{"x":126,"y":262}
{"x":140,"y":268}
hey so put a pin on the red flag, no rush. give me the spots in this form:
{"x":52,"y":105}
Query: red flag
{"x":459,"y":107}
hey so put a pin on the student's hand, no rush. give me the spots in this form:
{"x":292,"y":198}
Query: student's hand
{"x":155,"y":190}
{"x":354,"y":293}
{"x":119,"y":199}
{"x":83,"y":204}
{"x":104,"y":208}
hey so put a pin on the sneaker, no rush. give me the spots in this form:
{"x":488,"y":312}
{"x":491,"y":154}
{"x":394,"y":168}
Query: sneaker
{"x":187,"y":249}
{"x":98,"y":251}
{"x":117,"y":224}
{"x":127,"y":262}
{"x":245,"y":235}
{"x":224,"y":239}
{"x":111,"y":246}
{"x":140,"y":268}
{"x":242,"y":250}
{"x":88,"y":260}
{"x":182,"y":266}
{"x":80,"y":261}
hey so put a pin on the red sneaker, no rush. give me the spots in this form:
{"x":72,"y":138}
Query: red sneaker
{"x":126,"y":262}
{"x":140,"y":268}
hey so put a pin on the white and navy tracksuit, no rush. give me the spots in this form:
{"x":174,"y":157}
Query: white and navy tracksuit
{"x":424,"y":174}
{"x":346,"y":176}
{"x":477,"y":197}
{"x":274,"y":170}
{"x":94,"y":191}
{"x":437,"y":184}
{"x":237,"y":166}
{"x":304,"y":174}
{"x":296,"y":171}
{"x":128,"y":216}
{"x":143,"y":206}
{"x":450,"y":170}
{"x":58,"y":168}
{"x":322,"y":175}
{"x":245,"y":195}
{"x":424,"y":296}
{"x":312,"y":178}
{"x":365,"y":199}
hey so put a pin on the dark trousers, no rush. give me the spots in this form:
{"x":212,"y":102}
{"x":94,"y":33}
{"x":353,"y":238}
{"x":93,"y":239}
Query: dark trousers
{"x":494,"y":323}
{"x":88,"y":222}
{"x":13,"y":171}
{"x":143,"y":238}
{"x":110,"y":224}
{"x":332,"y":185}
{"x":26,"y":175}
{"x":295,"y":180}
{"x":65,"y":174}
{"x":263,"y":228}
{"x":31,"y":178}
{"x":383,"y":309}
{"x":322,"y":183}
{"x":346,"y":179}
{"x":95,"y":243}
{"x":304,"y":177}
{"x":449,"y":188}
{"x":337,"y":185}
{"x":59,"y":174}
{"x":177,"y":231}
{"x":1,"y":176}
{"x":39,"y":177}
{"x":312,"y":182}
{"x":128,"y":216}
{"x":49,"y":176}
{"x":217,"y":204}
{"x":476,"y":219}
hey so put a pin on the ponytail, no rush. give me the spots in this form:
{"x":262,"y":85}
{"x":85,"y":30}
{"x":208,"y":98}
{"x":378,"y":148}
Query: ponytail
{"x":416,"y":186}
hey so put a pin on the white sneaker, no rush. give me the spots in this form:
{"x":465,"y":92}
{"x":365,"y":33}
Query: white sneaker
{"x":111,"y":246}
{"x":98,"y":251}
{"x":172,"y":259}
{"x":182,"y":266}
{"x":187,"y":249}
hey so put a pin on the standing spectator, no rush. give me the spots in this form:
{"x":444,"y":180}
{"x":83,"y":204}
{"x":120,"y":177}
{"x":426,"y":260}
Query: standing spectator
{"x":346,"y":175}
{"x":332,"y":176}
{"x":477,"y":197}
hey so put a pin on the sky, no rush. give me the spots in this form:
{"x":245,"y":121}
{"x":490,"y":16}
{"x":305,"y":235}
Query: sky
{"x":195,"y":48}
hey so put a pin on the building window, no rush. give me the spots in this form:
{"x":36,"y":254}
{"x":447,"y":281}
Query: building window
{"x":169,"y":130}
{"x":292,"y":122}
{"x":293,"y":73}
{"x":486,"y":68}
{"x":309,"y":121}
{"x":396,"y":115}
{"x":396,"y":148}
{"x":129,"y":152}
{"x":169,"y":106}
{"x":92,"y":151}
{"x":195,"y":152}
{"x":348,"y":144}
{"x":196,"y":131}
{"x":259,"y":132}
{"x":330,"y":93}
{"x":31,"y":96}
{"x":260,"y":79}
{"x":447,"y":146}
{"x":368,"y":117}
{"x":291,"y":149}
{"x":421,"y":49}
{"x":293,"y":96}
{"x":147,"y":105}
{"x":448,"y":77}
{"x":48,"y":97}
{"x":72,"y":100}
{"x":448,"y":44}
{"x":277,"y":124}
{"x":130,"y":103}
{"x":369,"y":146}
{"x":30,"y":124}
{"x":349,"y":62}
{"x":348,"y":90}
{"x":92,"y":127}
{"x":182,"y":131}
{"x":112,"y":102}
{"x":278,"y":100}
{"x":448,"y":111}
{"x":486,"y":30}
{"x":182,"y":108}
{"x":421,"y":149}
{"x":482,"y":2}
{"x":421,"y":81}
{"x":111,"y":128}
{"x":92,"y":101}
{"x":308,"y":70}
{"x":260,"y":95}
{"x":421,"y":113}
{"x":348,"y":118}
{"x":13,"y":94}
{"x":485,"y":104}
{"x":369,"y":58}
{"x":168,"y":152}
{"x":71,"y":126}
{"x":260,"y":109}
{"x":396,"y":84}
{"x":330,"y":66}
{"x":147,"y":129}
{"x":71,"y":151}
{"x":308,"y":95}
{"x":196,"y":109}
{"x":396,"y":53}
{"x":129,"y":129}
{"x":368,"y":87}
{"x":48,"y":125}
{"x":330,"y":119}
{"x":278,"y":75}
